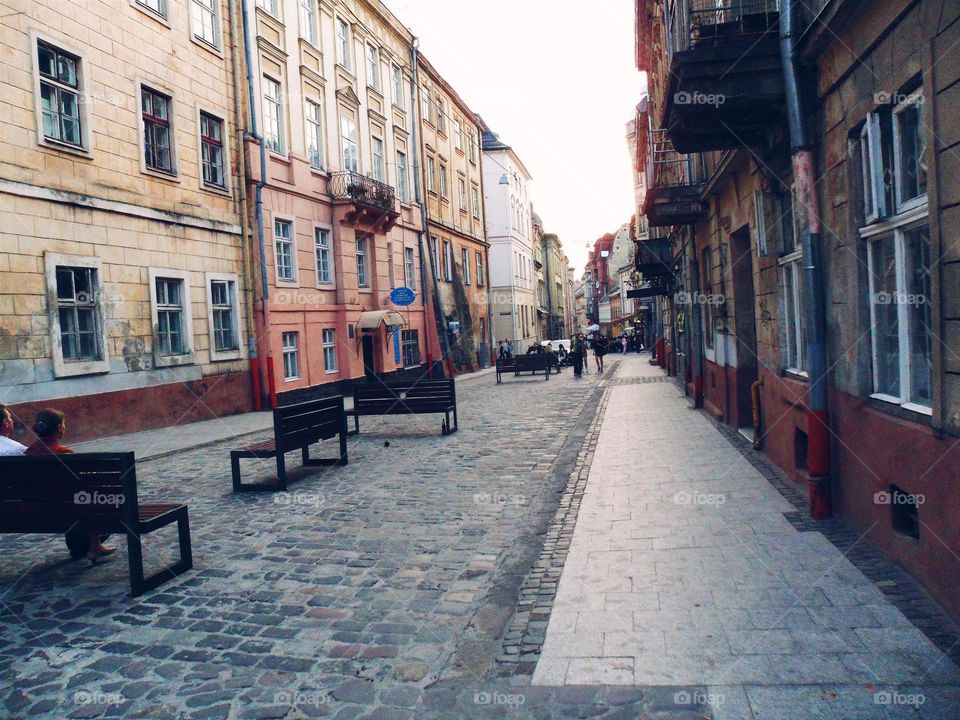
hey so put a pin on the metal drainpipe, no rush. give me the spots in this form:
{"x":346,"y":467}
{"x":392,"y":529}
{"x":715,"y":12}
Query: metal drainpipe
{"x":255,"y":135}
{"x":804,"y":175}
{"x":418,"y":143}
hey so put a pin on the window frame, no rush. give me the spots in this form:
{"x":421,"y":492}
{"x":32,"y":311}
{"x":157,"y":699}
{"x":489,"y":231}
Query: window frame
{"x":794,"y":354}
{"x":403,"y":177}
{"x":63,"y":368}
{"x":375,"y":72}
{"x":233,"y":284}
{"x":444,"y":182}
{"x":354,"y":142}
{"x":475,"y":201}
{"x":274,"y":9}
{"x":447,"y":261}
{"x":173,"y":174}
{"x":431,"y":174}
{"x":161,"y":12}
{"x":362,"y":254}
{"x":187,"y":357}
{"x":407,"y":342}
{"x":410,"y":268}
{"x":330,"y":284}
{"x":481,"y":273}
{"x":343,"y":43}
{"x":396,"y":77}
{"x":305,"y":7}
{"x":291,"y":350}
{"x":462,"y":192}
{"x":379,"y":168}
{"x":280,"y":146}
{"x":915,"y":100}
{"x":435,"y":255}
{"x":314,"y":125}
{"x":279,"y":280}
{"x":465,"y":259}
{"x":331,"y":346}
{"x":217,"y":44}
{"x":224,"y":150}
{"x":85,"y":147}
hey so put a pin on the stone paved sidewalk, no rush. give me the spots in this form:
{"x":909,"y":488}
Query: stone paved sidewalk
{"x":683,"y":572}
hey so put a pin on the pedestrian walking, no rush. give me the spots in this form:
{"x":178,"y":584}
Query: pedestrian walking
{"x":599,"y":350}
{"x":509,"y":350}
{"x":623,"y":343}
{"x":576,"y":354}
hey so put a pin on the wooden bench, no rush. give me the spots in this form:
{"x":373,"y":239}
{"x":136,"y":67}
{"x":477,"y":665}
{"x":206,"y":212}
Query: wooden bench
{"x":517,"y":364}
{"x":422,"y":397}
{"x":295,"y":427}
{"x":91,"y":493}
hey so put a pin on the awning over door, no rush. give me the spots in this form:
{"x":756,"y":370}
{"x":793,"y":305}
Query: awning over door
{"x":373,"y":319}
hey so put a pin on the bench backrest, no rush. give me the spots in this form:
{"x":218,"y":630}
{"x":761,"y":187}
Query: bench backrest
{"x":526,"y":362}
{"x":50,"y":493}
{"x":294,"y":425}
{"x":398,"y":398}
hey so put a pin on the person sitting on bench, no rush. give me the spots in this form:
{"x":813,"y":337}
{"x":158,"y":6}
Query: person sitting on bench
{"x":49,"y":428}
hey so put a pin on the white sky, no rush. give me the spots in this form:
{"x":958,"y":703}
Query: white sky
{"x":558,"y":83}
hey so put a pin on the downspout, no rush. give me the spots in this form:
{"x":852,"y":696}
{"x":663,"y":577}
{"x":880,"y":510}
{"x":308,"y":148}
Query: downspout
{"x":696,"y":335}
{"x":249,"y":285}
{"x":254,"y":134}
{"x":804,"y":175}
{"x":422,"y":201}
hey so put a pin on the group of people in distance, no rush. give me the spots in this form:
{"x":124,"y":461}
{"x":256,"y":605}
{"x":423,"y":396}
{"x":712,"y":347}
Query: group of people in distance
{"x":49,"y":428}
{"x":580,"y":344}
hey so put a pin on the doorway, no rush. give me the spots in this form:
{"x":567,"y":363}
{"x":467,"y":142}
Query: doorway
{"x":745,"y":326}
{"x":369,"y":356}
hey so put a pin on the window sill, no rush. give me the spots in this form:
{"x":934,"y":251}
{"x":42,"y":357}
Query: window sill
{"x":225,"y":355}
{"x":798,"y":375}
{"x":326,"y":286}
{"x":216,"y":190}
{"x":212,"y":49}
{"x":63,"y":147}
{"x":291,"y":379}
{"x":286,"y":284}
{"x":904,"y":411}
{"x":71,"y":368}
{"x":160,"y":174}
{"x":331,"y":372}
{"x":319,"y":172}
{"x":151,"y":14}
{"x":166,"y":361}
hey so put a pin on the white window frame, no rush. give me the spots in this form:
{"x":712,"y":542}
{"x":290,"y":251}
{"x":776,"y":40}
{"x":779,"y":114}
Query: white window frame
{"x":462,"y":190}
{"x":343,"y":43}
{"x":410,"y":268}
{"x":399,"y":96}
{"x":85,"y":148}
{"x":276,"y":145}
{"x":314,"y":126}
{"x":233,"y":285}
{"x":331,"y":259}
{"x":204,"y":6}
{"x":915,"y":100}
{"x":903,"y":319}
{"x":403,"y":177}
{"x":291,"y":350}
{"x":270,"y":7}
{"x":160,"y":12}
{"x":447,"y":261}
{"x":427,"y":106}
{"x":225,"y":146}
{"x":329,"y":350}
{"x":435,"y":255}
{"x":288,"y":282}
{"x":347,"y":142}
{"x":173,"y":174}
{"x":481,"y":276}
{"x":362,"y":255}
{"x":867,"y":172}
{"x":405,"y":342}
{"x":465,"y":259}
{"x":71,"y":368}
{"x":308,"y":21}
{"x":475,"y":200}
{"x":458,"y":135}
{"x":431,"y":175}
{"x":378,"y":160}
{"x":391,"y":267}
{"x":373,"y":68}
{"x":796,"y":345}
{"x":444,"y":182}
{"x":187,"y":357}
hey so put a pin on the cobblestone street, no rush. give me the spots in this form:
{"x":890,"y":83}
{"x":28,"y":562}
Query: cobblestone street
{"x":424,"y":580}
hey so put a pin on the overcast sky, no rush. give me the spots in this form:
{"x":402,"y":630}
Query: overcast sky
{"x":557,"y":81}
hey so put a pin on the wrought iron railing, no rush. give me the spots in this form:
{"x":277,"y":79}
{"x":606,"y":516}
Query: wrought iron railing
{"x":673,"y":169}
{"x":692,"y":23}
{"x":362,"y":190}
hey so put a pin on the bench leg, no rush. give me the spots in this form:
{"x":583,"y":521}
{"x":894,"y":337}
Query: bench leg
{"x":140,"y":584}
{"x":305,"y":454}
{"x":343,"y":445}
{"x":456,"y":423}
{"x":281,"y":470}
{"x":235,"y":470}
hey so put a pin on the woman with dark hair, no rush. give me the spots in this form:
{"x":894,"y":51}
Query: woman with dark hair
{"x":49,"y":428}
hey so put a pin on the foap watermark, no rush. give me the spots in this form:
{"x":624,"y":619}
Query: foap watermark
{"x":898,"y":497}
{"x":97,"y":697}
{"x":698,"y":498}
{"x":98,"y":498}
{"x":301,"y":697}
{"x":298,"y":297}
{"x":696,"y":697}
{"x":699,"y":98}
{"x":497,"y":498}
{"x":892,"y":697}
{"x":498,"y":698}
{"x":305,"y":499}
{"x":897,"y":98}
{"x":687,"y":298}
{"x":899,"y":298}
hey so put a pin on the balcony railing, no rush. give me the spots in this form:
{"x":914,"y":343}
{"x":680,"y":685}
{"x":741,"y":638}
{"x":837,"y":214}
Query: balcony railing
{"x":362,"y":191}
{"x":696,"y":23}
{"x":673,"y":169}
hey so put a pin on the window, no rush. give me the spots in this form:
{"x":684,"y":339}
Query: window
{"x":343,"y":43}
{"x":910,"y":153}
{"x":329,"y":351}
{"x":308,"y":21}
{"x":462,"y":191}
{"x":211,"y":150}
{"x":157,"y":7}
{"x":472,"y":147}
{"x":170,"y":309}
{"x":481,"y":280}
{"x":348,"y":143}
{"x":397,"y":75}
{"x":291,"y":356}
{"x":774,"y":218}
{"x":441,"y":116}
{"x":403,"y":183}
{"x":431,"y":175}
{"x":314,"y":131}
{"x":373,"y":67}
{"x":465,"y":259}
{"x":709,"y":316}
{"x":476,"y":202}
{"x":271,"y":6}
{"x":283,"y":235}
{"x":222,"y":293}
{"x":321,"y":242}
{"x":362,"y":261}
{"x":78,"y":313}
{"x":409,"y":269}
{"x":59,"y":95}
{"x":458,"y":135}
{"x":378,"y":167}
{"x":272,"y":115}
{"x":900,"y":282}
{"x":203,"y":16}
{"x":794,"y":326}
{"x":158,"y":154}
{"x":443,"y":180}
{"x":447,"y":261}
{"x":427,"y":105}
{"x":435,"y":255}
{"x":410,"y":347}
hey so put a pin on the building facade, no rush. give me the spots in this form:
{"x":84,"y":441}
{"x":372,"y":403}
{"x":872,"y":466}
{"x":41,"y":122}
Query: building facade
{"x":453,"y":181}
{"x":555,"y":281}
{"x":510,"y":234}
{"x":123,"y":299}
{"x":878,"y":110}
{"x":340,"y":227}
